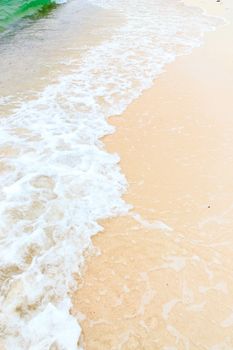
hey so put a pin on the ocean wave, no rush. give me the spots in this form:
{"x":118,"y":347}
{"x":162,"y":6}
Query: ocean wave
{"x":57,"y":179}
{"x":12,"y":11}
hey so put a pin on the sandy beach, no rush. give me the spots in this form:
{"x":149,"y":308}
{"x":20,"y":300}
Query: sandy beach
{"x":163,"y":279}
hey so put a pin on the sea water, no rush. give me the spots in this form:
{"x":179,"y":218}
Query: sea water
{"x":12,"y":11}
{"x":61,"y":78}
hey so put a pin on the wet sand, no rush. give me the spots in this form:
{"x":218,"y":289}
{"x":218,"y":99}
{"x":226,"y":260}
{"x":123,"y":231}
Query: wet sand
{"x":164,"y":278}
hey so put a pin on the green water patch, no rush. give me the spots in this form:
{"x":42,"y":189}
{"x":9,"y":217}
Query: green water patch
{"x":11,"y":11}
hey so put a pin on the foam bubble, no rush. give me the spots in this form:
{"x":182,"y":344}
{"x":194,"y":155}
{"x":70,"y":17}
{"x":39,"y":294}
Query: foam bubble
{"x":57,"y":179}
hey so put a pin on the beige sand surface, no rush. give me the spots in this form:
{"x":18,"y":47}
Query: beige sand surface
{"x":164,"y":279}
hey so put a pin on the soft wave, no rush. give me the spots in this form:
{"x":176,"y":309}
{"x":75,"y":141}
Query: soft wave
{"x":12,"y":11}
{"x":57,"y":179}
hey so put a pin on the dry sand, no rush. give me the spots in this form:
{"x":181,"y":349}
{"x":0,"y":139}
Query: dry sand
{"x":164,"y":279}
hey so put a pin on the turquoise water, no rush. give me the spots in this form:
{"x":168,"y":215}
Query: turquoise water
{"x":11,"y":11}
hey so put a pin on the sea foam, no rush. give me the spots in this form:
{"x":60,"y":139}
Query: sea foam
{"x":58,"y":181}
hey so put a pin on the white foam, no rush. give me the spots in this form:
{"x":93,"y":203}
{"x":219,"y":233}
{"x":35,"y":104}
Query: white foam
{"x":176,"y":263}
{"x":60,"y":1}
{"x":151,"y":225}
{"x":59,"y":181}
{"x":167,"y":308}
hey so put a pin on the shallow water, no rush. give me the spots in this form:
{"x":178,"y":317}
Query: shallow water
{"x":61,"y":78}
{"x":163,"y":279}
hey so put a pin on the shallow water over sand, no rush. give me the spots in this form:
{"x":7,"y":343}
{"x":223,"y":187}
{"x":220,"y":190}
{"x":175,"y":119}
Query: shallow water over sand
{"x":61,"y":79}
{"x":164,"y":277}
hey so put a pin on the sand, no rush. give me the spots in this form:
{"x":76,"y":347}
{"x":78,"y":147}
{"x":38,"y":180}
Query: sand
{"x":164,"y":278}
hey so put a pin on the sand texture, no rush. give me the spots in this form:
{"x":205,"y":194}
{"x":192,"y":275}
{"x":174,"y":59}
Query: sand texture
{"x":164,"y":278}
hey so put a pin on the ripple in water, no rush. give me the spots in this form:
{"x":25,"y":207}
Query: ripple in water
{"x":57,"y":179}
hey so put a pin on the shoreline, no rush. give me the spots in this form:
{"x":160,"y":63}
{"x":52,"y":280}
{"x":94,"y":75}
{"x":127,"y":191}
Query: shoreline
{"x":70,"y":72}
{"x":139,"y":293}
